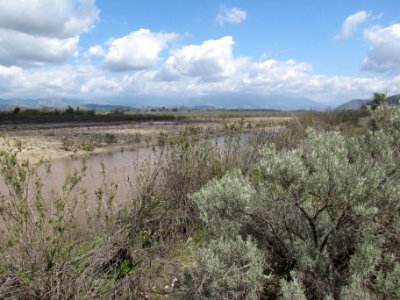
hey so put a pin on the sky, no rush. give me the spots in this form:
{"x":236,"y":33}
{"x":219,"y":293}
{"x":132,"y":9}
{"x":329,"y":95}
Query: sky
{"x":114,"y":51}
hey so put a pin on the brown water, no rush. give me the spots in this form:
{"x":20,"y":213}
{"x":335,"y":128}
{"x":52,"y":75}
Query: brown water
{"x":102,"y":170}
{"x":121,"y":167}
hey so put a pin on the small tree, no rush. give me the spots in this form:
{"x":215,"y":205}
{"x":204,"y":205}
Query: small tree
{"x":17,"y":110}
{"x":69,"y":110}
{"x":377,"y":100}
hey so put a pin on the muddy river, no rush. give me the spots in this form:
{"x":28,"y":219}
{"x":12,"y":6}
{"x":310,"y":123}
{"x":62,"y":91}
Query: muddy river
{"x":102,"y":170}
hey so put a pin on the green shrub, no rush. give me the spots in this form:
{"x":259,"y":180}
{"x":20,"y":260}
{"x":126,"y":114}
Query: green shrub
{"x":317,"y":209}
{"x":227,"y":269}
{"x":110,"y":138}
{"x":232,"y":192}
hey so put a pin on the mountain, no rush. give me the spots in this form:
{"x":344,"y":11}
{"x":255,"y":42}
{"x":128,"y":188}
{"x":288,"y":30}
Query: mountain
{"x":357,"y":104}
{"x":6,"y":107}
{"x":216,"y":101}
{"x":354,"y":104}
{"x":105,"y":107}
{"x":394,"y":100}
{"x":223,"y":101}
{"x":253,"y":101}
{"x":40,"y":102}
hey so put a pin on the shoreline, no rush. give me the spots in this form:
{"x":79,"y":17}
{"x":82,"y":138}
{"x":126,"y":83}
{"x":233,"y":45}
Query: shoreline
{"x":45,"y":141}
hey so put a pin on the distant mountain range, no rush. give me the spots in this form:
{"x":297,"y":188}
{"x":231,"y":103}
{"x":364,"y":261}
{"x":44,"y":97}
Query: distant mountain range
{"x":35,"y":103}
{"x":354,"y":104}
{"x":357,"y":104}
{"x":394,"y":100}
{"x":235,"y":101}
{"x":220,"y":101}
{"x":253,"y":101}
{"x":108,"y":107}
{"x":5,"y":107}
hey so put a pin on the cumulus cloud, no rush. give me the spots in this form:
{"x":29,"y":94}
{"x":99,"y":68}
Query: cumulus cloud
{"x":264,"y":77}
{"x":269,"y":77}
{"x":273,"y":71}
{"x":9,"y":77}
{"x":79,"y":81}
{"x":351,"y":23}
{"x":23,"y":49}
{"x":102,"y":84}
{"x":33,"y":32}
{"x":205,"y":69}
{"x":210,"y":61}
{"x":59,"y":19}
{"x":384,"y":53}
{"x":232,"y":15}
{"x":95,"y":50}
{"x":138,"y":50}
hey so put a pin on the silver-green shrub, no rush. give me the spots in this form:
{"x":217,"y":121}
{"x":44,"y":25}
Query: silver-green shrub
{"x":233,"y":193}
{"x":228,"y":269}
{"x":327,"y":210}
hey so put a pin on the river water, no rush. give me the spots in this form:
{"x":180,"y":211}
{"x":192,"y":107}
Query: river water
{"x":122,"y":167}
{"x":102,"y":170}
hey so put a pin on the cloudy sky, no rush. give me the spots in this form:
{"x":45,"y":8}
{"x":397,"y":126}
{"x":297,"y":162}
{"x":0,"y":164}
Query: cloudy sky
{"x":113,"y":51}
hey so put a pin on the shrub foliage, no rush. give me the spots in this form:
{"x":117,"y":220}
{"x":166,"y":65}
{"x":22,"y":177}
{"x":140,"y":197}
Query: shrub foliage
{"x":307,"y":213}
{"x":326,"y":214}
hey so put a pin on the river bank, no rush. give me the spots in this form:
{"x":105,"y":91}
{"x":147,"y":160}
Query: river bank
{"x":52,"y":142}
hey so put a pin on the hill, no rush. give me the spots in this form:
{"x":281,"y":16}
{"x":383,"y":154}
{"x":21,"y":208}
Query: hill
{"x":357,"y":104}
{"x":219,"y":101}
{"x":257,"y":102}
{"x":105,"y":107}
{"x":354,"y":104}
{"x":394,"y":100}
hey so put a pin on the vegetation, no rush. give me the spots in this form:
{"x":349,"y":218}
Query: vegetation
{"x":29,"y":116}
{"x":311,"y":212}
{"x":377,"y":100}
{"x":87,"y":143}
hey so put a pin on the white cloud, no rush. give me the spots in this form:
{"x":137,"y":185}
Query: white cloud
{"x":138,"y":50}
{"x":33,"y":32}
{"x":49,"y":18}
{"x":206,"y":69}
{"x":232,"y":15}
{"x":384,"y":53}
{"x":20,"y":49}
{"x":9,"y":77}
{"x":351,"y":23}
{"x":58,"y":81}
{"x":264,"y":77}
{"x":273,"y":71}
{"x":37,"y":32}
{"x":95,"y":50}
{"x":101,"y":84}
{"x":211,"y":61}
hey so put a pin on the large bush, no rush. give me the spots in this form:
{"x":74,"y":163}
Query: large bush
{"x":326,"y":214}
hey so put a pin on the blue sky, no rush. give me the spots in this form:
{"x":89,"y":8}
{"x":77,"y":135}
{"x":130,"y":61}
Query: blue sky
{"x":113,"y":51}
{"x":288,"y":29}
